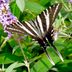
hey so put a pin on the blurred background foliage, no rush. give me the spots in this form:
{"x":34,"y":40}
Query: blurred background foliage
{"x":21,"y":53}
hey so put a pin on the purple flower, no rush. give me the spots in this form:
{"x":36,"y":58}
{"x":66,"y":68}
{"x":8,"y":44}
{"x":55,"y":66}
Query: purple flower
{"x":6,"y":17}
{"x":70,"y":1}
{"x":4,"y":1}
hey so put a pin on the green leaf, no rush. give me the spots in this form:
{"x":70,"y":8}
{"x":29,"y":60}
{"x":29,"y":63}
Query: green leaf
{"x":66,"y":66}
{"x":14,"y":65}
{"x":11,"y":67}
{"x":6,"y":58}
{"x":44,"y":2}
{"x":19,"y":65}
{"x":34,"y":7}
{"x":43,"y":65}
{"x":15,"y":10}
{"x":20,"y":4}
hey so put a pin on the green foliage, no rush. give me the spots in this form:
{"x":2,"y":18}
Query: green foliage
{"x":22,"y":53}
{"x":20,"y":4}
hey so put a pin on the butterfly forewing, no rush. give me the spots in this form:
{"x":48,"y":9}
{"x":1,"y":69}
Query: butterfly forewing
{"x":46,"y":18}
{"x":53,"y":12}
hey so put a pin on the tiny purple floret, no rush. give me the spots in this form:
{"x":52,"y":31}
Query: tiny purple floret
{"x":70,"y":1}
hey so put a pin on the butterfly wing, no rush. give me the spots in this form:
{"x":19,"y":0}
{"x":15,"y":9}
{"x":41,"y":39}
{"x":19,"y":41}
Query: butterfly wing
{"x":38,"y":27}
{"x":41,"y":29}
{"x":53,"y":12}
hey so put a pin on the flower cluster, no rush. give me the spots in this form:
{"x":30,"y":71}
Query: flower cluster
{"x":70,"y":1}
{"x":6,"y":17}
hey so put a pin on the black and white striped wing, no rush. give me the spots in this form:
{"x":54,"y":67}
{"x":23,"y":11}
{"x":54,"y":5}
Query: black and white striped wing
{"x":40,"y":26}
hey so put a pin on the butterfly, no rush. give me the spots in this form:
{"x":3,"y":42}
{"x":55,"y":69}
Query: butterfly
{"x":41,"y":29}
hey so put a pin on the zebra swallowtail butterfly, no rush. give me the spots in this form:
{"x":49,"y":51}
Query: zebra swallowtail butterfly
{"x":41,"y":29}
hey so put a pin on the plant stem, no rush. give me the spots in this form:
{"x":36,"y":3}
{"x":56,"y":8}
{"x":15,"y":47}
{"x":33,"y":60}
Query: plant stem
{"x":3,"y":43}
{"x":28,"y":69}
{"x":27,"y":65}
{"x":22,"y":50}
{"x":25,"y":61}
{"x":65,"y":5}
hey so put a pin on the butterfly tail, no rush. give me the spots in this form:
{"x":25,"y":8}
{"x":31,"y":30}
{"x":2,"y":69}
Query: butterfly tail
{"x":50,"y":40}
{"x":56,"y":50}
{"x":44,"y":45}
{"x":49,"y":58}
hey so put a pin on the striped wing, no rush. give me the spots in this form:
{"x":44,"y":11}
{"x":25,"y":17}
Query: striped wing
{"x":41,"y":29}
{"x":40,"y":26}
